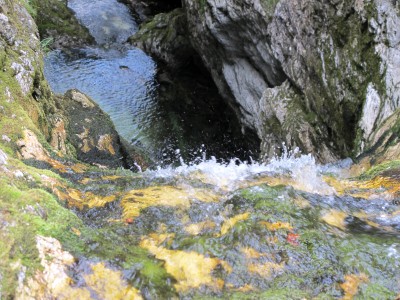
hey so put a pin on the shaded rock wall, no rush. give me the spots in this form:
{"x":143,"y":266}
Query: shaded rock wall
{"x":166,"y":38}
{"x":146,"y":9}
{"x":338,"y":59}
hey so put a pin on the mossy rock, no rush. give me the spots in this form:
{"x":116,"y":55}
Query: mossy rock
{"x":56,"y":21}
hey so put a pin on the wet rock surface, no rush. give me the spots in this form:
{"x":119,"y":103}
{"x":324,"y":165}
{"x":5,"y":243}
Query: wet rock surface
{"x":146,"y":9}
{"x":332,"y":55}
{"x":90,"y":131}
{"x":289,"y":229}
{"x":58,"y":24}
{"x":166,"y":38}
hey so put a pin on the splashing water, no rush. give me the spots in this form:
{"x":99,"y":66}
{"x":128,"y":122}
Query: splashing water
{"x":302,"y":170}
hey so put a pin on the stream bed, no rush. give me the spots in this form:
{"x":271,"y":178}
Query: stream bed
{"x":287,"y":229}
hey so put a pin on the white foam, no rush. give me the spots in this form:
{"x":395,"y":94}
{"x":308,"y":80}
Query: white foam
{"x":302,"y":169}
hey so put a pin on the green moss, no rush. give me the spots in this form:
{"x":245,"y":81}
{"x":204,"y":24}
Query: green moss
{"x":269,"y":6}
{"x":377,"y":170}
{"x":273,"y":294}
{"x":203,"y":5}
{"x":54,"y":15}
{"x":375,"y":291}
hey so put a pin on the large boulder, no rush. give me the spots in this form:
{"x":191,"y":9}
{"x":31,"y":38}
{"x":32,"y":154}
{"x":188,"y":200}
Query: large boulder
{"x":89,"y":130}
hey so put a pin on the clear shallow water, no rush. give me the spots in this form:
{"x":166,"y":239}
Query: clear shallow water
{"x":122,"y":83}
{"x":108,"y":21}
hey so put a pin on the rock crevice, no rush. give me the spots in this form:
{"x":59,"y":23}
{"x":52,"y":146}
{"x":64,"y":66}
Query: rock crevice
{"x":329,"y":59}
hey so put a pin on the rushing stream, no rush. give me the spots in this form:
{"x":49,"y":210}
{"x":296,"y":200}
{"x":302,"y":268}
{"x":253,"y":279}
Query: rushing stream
{"x":289,"y":229}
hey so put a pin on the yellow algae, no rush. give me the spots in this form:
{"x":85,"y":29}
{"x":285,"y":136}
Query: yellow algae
{"x":80,"y":199}
{"x":365,"y":189}
{"x":197,"y":228}
{"x":348,"y":187}
{"x":301,"y":202}
{"x":108,"y":284}
{"x":190,"y":269}
{"x":335,"y":218}
{"x":244,"y":289}
{"x":272,"y":239}
{"x":98,"y":201}
{"x":136,"y":200}
{"x":76,"y":231}
{"x":265,"y":269}
{"x":161,"y":238}
{"x":104,"y":178}
{"x":365,"y":217}
{"x":351,"y":284}
{"x":53,"y":282}
{"x":86,"y":180}
{"x":390,"y":184}
{"x":275,"y":226}
{"x":228,"y":224}
{"x":105,"y":143}
{"x":79,"y":168}
{"x":111,"y":177}
{"x":251,"y":253}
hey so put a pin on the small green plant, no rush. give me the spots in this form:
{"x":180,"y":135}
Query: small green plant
{"x":203,"y":4}
{"x":46,"y":43}
{"x":30,"y":7}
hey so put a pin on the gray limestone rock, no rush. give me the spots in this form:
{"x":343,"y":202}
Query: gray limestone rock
{"x":340,"y":60}
{"x":3,"y":158}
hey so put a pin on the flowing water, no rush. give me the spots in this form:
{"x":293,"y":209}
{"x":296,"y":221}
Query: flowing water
{"x":287,"y":229}
{"x":121,"y":79}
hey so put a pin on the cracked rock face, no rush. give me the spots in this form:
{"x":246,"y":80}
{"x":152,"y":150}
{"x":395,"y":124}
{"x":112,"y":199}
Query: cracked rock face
{"x":17,"y":38}
{"x":320,"y":75}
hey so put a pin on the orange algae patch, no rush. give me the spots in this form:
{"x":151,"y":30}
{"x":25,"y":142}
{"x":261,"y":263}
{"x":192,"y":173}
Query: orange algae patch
{"x":275,"y":226}
{"x":228,"y":224}
{"x":351,"y":284}
{"x":197,"y":228}
{"x":190,"y":269}
{"x":136,"y":200}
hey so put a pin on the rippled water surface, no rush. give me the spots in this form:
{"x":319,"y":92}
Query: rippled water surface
{"x":107,"y":20}
{"x":122,"y":83}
